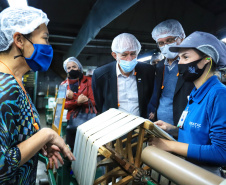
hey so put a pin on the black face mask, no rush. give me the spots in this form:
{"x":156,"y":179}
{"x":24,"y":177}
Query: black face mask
{"x":190,"y":71}
{"x":74,"y":74}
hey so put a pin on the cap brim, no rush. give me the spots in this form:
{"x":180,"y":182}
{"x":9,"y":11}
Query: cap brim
{"x":177,"y":48}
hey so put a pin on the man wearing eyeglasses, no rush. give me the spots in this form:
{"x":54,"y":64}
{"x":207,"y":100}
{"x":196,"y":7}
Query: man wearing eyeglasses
{"x":169,"y":98}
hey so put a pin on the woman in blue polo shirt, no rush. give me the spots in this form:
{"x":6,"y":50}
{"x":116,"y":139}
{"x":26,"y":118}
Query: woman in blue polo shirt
{"x":202,"y":126}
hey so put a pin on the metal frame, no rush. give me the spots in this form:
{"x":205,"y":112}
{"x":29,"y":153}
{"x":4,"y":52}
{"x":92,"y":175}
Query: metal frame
{"x":60,"y":101}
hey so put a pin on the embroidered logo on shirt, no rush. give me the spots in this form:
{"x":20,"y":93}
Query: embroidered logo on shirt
{"x":195,"y":125}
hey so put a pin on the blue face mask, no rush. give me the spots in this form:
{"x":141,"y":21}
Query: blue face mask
{"x":128,"y":66}
{"x":41,"y":58}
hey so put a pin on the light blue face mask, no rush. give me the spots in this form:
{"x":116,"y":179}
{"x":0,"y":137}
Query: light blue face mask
{"x":128,"y":66}
{"x":166,"y":52}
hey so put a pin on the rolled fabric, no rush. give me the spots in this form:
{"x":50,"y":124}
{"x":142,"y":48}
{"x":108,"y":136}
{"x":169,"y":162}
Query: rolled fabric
{"x":177,"y":169}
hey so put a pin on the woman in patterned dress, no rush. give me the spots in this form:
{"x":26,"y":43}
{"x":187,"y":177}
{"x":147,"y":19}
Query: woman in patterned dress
{"x":23,"y":46}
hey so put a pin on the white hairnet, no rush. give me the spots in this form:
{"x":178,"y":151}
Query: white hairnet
{"x":23,"y":20}
{"x":75,"y":60}
{"x":125,"y":42}
{"x":167,"y":28}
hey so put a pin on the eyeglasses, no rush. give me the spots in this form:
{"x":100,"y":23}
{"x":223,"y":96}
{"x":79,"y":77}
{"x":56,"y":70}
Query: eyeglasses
{"x":168,"y":41}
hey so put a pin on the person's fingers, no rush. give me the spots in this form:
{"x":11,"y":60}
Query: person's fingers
{"x":58,"y":156}
{"x":84,"y":97}
{"x":151,"y":139}
{"x":55,"y":161}
{"x":44,"y":152}
{"x":58,"y":143}
{"x":67,"y":153}
{"x":159,"y":122}
{"x":69,"y":91}
{"x":50,"y":163}
{"x":67,"y":95}
{"x":156,"y":122}
{"x":71,"y":156}
{"x":54,"y":147}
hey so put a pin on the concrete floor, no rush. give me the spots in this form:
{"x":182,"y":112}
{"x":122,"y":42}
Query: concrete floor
{"x":41,"y":175}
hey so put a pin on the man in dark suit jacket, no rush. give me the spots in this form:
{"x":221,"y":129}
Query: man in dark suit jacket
{"x":106,"y":80}
{"x":180,"y":100}
{"x":171,"y":92}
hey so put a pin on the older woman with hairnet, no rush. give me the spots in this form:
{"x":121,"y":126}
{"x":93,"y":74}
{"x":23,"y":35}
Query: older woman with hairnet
{"x":202,"y":125}
{"x":23,"y":46}
{"x":79,"y":92}
{"x":124,"y":84}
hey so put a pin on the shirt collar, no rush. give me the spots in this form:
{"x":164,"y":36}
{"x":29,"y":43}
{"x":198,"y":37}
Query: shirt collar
{"x":170,"y":67}
{"x":197,"y":95}
{"x":166,"y":63}
{"x":118,"y":72}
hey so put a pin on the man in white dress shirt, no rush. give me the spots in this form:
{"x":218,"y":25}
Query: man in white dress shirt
{"x":125,"y":84}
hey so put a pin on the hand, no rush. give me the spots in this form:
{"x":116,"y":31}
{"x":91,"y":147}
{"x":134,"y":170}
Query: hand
{"x":165,"y":126}
{"x":56,"y":145}
{"x":53,"y":155}
{"x":44,"y":150}
{"x":169,"y":146}
{"x":151,"y":115}
{"x":82,"y":99}
{"x":160,"y":143}
{"x":171,"y":129}
{"x":69,"y":94}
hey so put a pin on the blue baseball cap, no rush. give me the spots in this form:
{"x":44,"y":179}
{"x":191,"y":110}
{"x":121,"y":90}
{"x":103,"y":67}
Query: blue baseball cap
{"x":206,"y":43}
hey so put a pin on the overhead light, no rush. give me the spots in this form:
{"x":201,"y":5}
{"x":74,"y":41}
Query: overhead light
{"x":17,"y":3}
{"x":144,"y":59}
{"x":223,"y":40}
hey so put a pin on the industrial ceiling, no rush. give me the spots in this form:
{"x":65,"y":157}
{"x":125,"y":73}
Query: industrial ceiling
{"x":86,"y":28}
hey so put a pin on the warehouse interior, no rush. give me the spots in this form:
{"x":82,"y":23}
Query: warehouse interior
{"x":85,"y":29}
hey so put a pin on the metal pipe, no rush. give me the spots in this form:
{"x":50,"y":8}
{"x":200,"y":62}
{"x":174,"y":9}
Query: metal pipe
{"x":95,"y":40}
{"x":68,"y":44}
{"x":177,"y":169}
